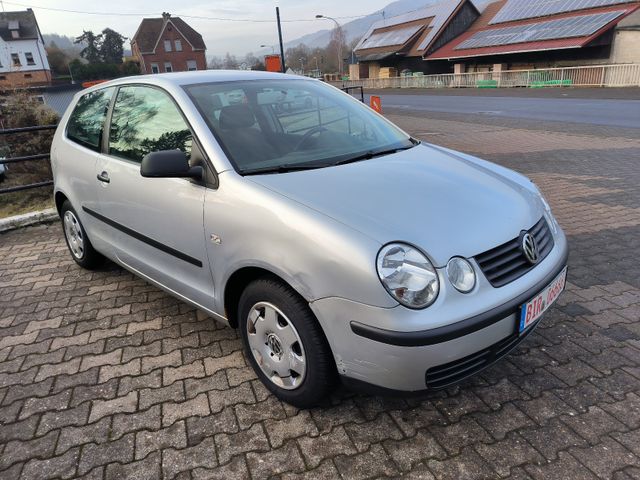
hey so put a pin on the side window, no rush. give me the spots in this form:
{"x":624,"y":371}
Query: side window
{"x":87,"y":119}
{"x":146,"y":120}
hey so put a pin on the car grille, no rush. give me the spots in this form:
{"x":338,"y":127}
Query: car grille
{"x":444,"y":375}
{"x":506,"y":263}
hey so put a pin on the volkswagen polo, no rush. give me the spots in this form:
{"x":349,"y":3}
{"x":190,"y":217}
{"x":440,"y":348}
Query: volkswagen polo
{"x":338,"y":245}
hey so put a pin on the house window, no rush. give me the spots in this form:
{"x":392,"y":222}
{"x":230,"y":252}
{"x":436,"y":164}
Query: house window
{"x":192,"y":65}
{"x":154,"y":68}
{"x":3,"y":77}
{"x":167,"y":67}
{"x":27,"y":75}
{"x":167,"y":45}
{"x":178,"y":44}
{"x":15,"y":59}
{"x":29,"y":57}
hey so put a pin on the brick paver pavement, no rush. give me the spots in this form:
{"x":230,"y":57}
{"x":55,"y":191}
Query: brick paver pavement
{"x":104,"y":376}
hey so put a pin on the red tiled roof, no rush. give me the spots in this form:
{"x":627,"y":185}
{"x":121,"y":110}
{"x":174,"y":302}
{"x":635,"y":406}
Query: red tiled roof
{"x":449,"y":50}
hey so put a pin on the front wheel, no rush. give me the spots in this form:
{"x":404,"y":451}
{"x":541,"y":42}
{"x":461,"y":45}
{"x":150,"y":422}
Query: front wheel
{"x":76,"y":237}
{"x":285,"y":344}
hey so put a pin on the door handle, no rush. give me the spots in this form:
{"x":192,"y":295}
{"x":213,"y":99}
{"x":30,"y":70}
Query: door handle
{"x":103,"y":177}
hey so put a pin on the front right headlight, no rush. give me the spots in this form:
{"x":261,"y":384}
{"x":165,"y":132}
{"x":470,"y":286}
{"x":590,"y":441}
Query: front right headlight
{"x":408,"y":275}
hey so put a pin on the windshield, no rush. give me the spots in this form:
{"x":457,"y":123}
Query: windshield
{"x":283,"y":125}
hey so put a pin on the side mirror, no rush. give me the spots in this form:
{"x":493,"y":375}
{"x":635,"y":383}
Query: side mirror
{"x":168,"y":164}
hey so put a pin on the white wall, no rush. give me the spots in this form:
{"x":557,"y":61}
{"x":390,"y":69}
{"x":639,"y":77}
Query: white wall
{"x":36,"y":47}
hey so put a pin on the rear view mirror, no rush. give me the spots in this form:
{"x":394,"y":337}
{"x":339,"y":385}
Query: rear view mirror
{"x":168,"y":164}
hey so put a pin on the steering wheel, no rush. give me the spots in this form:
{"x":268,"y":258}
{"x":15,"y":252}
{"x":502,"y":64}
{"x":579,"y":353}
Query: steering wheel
{"x":305,"y":138}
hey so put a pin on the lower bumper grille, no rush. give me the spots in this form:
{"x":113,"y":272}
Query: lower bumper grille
{"x":453,"y":372}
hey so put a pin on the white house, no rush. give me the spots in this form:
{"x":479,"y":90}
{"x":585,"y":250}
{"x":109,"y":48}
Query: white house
{"x":23,"y":59}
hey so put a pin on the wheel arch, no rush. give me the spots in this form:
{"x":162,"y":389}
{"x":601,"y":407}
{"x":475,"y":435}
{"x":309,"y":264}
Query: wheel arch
{"x":238,"y":281}
{"x":59,"y":198}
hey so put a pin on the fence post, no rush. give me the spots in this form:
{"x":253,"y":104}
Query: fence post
{"x":602,"y":79}
{"x":528,"y":84}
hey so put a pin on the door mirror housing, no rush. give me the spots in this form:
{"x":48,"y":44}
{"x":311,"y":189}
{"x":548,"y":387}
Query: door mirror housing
{"x":168,"y":164}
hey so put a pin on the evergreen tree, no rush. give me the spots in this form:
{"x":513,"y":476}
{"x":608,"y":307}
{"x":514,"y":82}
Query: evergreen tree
{"x":92,"y":42}
{"x":112,"y":46}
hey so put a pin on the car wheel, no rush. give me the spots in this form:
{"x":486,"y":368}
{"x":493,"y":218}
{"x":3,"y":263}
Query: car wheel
{"x":74,"y":234}
{"x":285,"y":344}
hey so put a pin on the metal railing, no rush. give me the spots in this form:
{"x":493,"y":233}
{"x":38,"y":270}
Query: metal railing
{"x":26,"y":158}
{"x":627,"y":75}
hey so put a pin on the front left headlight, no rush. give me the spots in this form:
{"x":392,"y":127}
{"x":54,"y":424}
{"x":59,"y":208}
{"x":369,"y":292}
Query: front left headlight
{"x":408,"y":275}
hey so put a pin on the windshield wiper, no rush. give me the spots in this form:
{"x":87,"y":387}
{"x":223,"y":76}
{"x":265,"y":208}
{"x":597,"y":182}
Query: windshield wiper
{"x":281,"y":169}
{"x":371,"y":154}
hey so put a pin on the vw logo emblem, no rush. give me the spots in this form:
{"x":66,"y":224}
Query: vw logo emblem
{"x":530,"y":248}
{"x":273,"y":342}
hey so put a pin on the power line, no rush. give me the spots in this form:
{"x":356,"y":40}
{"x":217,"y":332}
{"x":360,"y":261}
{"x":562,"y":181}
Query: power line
{"x":148,"y":14}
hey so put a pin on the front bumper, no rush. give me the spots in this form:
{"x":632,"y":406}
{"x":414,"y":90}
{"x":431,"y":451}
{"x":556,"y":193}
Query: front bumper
{"x":420,"y":359}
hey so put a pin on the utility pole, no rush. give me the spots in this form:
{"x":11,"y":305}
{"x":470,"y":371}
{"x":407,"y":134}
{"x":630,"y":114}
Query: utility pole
{"x":282,"y":65}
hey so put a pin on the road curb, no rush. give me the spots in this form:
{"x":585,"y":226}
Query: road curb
{"x":43,"y":216}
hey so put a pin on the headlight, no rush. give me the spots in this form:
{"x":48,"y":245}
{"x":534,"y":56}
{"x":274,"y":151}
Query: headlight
{"x":408,"y":275}
{"x":461,"y":274}
{"x":551,"y":220}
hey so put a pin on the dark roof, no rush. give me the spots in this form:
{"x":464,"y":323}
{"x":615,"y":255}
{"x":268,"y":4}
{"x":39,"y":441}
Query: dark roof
{"x":456,"y":49}
{"x":27,"y":25}
{"x":151,"y":28}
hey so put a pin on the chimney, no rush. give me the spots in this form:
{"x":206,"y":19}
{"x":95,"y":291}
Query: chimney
{"x":166,"y":16}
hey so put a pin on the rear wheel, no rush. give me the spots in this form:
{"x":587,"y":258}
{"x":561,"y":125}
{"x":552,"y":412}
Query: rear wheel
{"x":285,"y":344}
{"x":79,"y":245}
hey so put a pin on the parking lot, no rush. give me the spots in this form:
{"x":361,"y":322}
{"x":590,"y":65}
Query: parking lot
{"x":105,"y":376}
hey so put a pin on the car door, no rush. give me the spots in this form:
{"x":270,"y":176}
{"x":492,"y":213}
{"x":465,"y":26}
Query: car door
{"x":75,"y":156}
{"x":156,"y":224}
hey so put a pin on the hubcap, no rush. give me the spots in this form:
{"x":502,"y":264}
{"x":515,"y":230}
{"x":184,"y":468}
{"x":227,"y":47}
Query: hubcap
{"x":276,"y":346}
{"x":73,"y":232}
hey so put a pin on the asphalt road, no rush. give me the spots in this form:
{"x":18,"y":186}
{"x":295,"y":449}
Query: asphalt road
{"x":594,"y":111}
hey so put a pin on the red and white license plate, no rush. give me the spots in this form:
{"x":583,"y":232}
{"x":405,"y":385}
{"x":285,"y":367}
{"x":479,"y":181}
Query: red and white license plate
{"x":535,"y":308}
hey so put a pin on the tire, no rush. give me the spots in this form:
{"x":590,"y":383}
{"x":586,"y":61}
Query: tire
{"x":304,"y":387}
{"x":77,"y":240}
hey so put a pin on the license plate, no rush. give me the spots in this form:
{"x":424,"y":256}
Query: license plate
{"x":535,"y":308}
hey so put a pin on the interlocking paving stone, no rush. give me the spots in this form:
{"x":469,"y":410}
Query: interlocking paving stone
{"x":103,"y":376}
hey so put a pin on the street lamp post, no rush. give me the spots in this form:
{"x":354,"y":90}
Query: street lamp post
{"x":339,"y":40}
{"x":302,"y":65}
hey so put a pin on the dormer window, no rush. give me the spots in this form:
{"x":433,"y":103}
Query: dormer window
{"x":14,"y":27}
{"x":167,"y":45}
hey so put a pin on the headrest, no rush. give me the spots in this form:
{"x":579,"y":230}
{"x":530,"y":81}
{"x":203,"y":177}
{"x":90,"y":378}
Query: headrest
{"x":236,"y":116}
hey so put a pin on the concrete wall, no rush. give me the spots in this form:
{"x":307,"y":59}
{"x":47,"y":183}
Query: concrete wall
{"x":626,"y":47}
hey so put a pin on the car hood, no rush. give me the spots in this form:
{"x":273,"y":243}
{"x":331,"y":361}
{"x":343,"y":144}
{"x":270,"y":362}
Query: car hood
{"x":447,"y":204}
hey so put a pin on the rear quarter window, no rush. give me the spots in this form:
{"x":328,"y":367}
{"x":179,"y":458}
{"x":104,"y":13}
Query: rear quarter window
{"x":87,"y":120}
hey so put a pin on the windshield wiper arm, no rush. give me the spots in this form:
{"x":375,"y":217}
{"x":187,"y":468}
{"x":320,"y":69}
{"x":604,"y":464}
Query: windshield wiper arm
{"x":371,"y":154}
{"x":281,"y":169}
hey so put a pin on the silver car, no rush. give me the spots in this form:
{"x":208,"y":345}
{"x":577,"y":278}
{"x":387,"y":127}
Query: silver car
{"x":338,"y":245}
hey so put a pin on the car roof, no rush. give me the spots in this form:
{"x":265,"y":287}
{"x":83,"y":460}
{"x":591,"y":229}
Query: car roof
{"x":195,"y":77}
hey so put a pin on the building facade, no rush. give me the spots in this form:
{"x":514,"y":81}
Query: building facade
{"x":397,"y":45}
{"x":23,"y":59}
{"x":168,"y":44}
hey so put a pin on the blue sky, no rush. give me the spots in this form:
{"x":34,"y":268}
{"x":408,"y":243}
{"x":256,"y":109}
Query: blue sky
{"x":220,"y":36}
